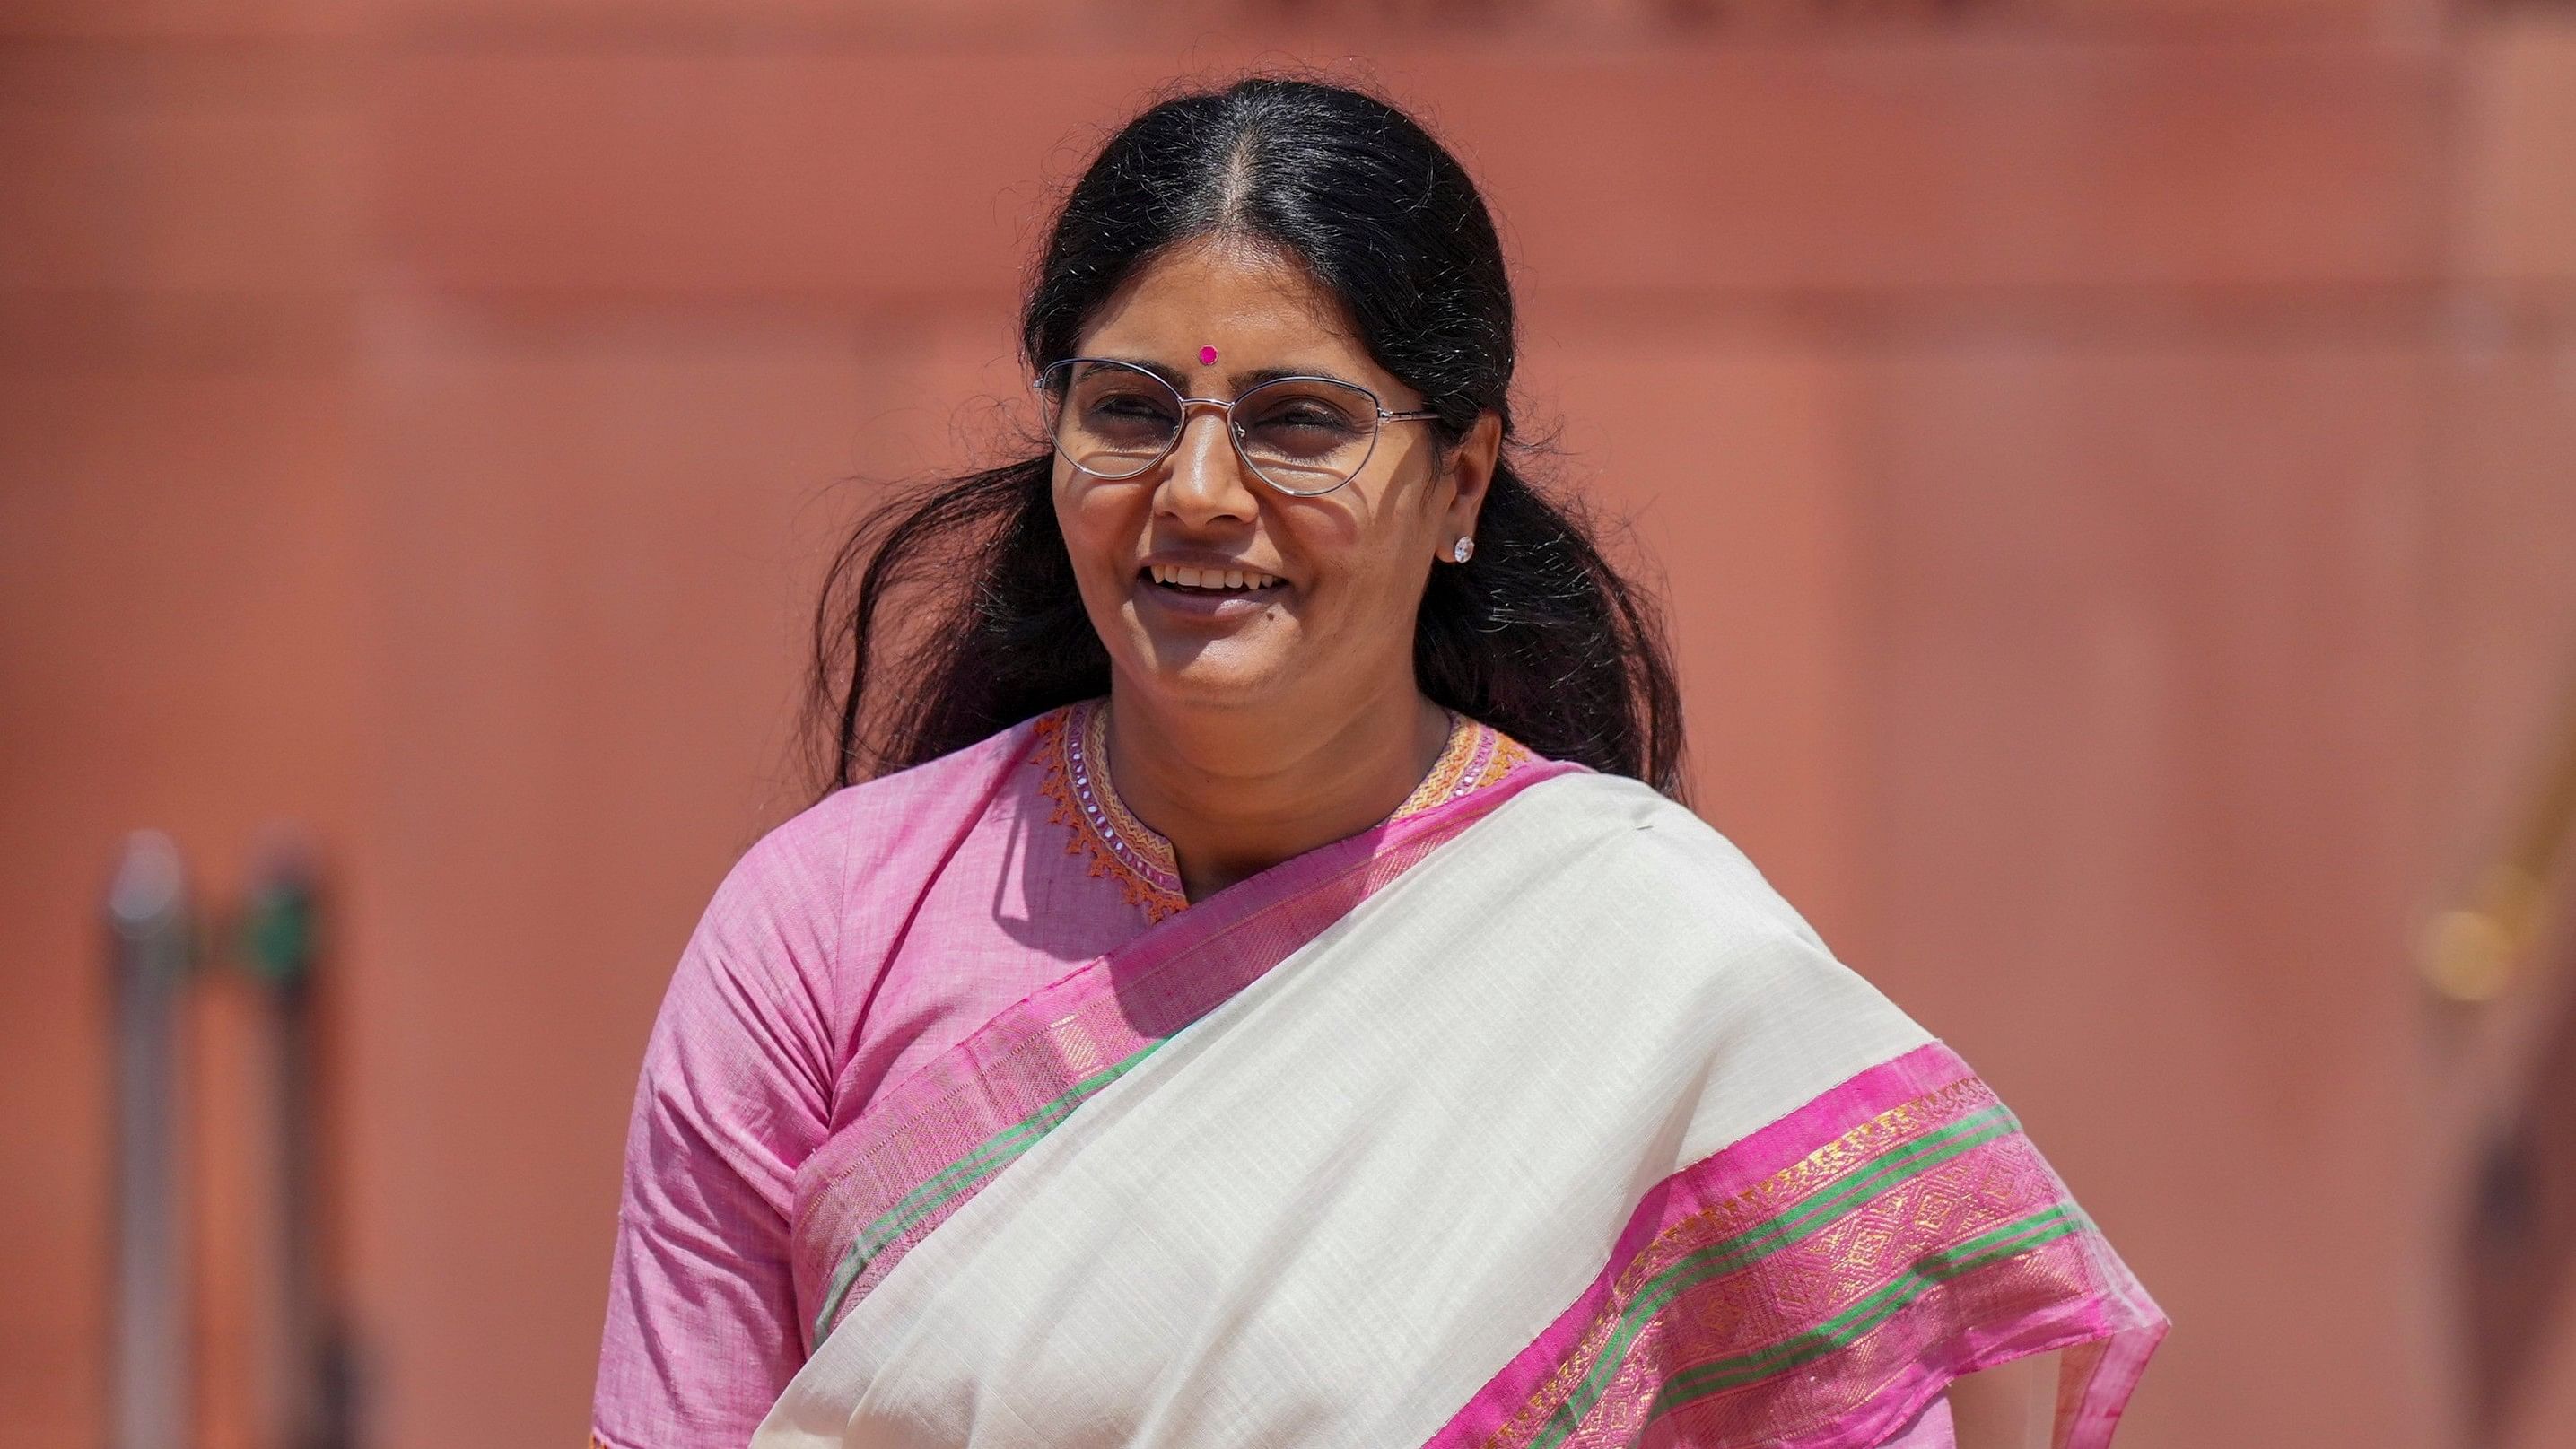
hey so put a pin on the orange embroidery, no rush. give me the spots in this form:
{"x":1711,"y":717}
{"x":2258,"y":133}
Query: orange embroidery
{"x":1476,"y":756}
{"x":1072,"y":743}
{"x":1073,"y":752}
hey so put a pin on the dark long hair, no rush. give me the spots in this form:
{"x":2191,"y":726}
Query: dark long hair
{"x":1539,"y":637}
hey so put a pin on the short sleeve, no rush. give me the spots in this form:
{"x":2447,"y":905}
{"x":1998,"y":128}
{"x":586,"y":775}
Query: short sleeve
{"x":701,"y":1333}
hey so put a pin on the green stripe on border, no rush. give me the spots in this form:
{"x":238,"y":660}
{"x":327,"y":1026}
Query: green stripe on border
{"x":1803,"y":1220}
{"x":935,"y":1191}
{"x":1843,"y":1329}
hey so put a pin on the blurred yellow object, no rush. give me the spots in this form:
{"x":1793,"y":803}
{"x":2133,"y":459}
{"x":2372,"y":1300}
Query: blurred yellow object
{"x":2469,"y":953}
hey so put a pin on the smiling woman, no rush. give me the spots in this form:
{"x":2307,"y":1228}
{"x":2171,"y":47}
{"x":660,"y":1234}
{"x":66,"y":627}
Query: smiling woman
{"x":1247,"y":981}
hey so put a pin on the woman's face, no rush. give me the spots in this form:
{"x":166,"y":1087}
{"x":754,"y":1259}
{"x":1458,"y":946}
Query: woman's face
{"x":1334,"y":624}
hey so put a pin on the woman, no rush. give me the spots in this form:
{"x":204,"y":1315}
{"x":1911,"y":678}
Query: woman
{"x":1250,"y":990}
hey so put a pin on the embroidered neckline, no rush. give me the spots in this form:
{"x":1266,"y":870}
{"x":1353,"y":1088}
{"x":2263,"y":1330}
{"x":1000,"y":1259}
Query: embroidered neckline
{"x":1477,"y":755}
{"x":1075,"y":750}
{"x":1073,"y":757}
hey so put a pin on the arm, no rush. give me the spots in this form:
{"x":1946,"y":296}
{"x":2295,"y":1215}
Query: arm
{"x":701,"y":1332}
{"x":2009,"y":1406}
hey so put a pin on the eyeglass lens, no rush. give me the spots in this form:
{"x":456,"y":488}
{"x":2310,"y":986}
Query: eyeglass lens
{"x":1302,"y":435}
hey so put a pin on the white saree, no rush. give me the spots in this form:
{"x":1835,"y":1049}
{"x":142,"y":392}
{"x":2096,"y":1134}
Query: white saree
{"x":1570,"y":1133}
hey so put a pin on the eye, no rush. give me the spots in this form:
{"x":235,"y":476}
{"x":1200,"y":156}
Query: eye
{"x":1127,"y":418}
{"x":1305,"y":411}
{"x":1128,"y":404}
{"x":1309,"y":415}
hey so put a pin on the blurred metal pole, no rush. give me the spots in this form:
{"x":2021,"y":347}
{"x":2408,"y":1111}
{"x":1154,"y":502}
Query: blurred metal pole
{"x":153,"y":947}
{"x":279,"y":946}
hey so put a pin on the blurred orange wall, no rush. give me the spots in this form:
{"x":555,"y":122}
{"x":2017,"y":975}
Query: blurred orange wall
{"x":2109,"y":461}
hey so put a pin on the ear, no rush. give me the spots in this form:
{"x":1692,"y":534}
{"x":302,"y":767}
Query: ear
{"x":1471,"y":473}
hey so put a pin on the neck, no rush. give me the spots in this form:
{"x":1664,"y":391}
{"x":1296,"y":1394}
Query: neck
{"x":1238,"y":791}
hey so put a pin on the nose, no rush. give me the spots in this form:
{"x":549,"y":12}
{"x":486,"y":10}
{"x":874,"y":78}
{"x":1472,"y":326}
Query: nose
{"x":1203,"y":478}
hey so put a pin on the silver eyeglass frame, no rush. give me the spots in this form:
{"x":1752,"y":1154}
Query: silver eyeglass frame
{"x":1233,"y":431}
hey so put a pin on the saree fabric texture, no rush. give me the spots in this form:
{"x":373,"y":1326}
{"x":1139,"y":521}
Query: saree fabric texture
{"x":1531,"y":1117}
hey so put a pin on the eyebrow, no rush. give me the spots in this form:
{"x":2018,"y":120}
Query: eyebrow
{"x":1243,"y":381}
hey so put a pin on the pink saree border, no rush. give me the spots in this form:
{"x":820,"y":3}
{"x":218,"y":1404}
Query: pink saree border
{"x":1033,"y":1061}
{"x":2067,"y":1291}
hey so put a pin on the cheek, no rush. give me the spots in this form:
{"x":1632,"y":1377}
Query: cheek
{"x":1372,"y":576}
{"x":1094,"y":520}
{"x":1377,"y":544}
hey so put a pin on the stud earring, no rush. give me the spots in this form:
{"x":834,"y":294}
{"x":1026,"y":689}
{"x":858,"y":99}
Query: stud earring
{"x":1463,"y":550}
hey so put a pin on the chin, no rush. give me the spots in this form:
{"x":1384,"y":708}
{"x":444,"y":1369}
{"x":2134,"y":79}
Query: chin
{"x":1209,"y":673}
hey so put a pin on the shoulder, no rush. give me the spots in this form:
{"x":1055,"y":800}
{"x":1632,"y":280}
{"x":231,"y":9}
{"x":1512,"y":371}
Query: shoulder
{"x":875,"y":821}
{"x":795,"y":907}
{"x":1698,"y":929}
{"x":1657,"y":852}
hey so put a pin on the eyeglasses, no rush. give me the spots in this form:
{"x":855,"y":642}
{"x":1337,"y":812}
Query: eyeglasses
{"x":1304,"y":436}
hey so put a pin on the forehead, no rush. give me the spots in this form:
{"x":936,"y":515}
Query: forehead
{"x":1257,"y":307}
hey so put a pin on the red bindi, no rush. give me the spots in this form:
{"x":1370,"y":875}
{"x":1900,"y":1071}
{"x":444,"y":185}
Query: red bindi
{"x":1207,"y":357}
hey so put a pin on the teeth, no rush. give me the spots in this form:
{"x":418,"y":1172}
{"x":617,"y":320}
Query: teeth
{"x":1191,"y":578}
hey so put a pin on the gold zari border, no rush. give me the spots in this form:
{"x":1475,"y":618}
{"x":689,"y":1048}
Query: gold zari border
{"x":1726,"y":1219}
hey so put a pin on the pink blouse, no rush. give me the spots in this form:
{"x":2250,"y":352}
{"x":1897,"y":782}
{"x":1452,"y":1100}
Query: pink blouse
{"x":862,"y":938}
